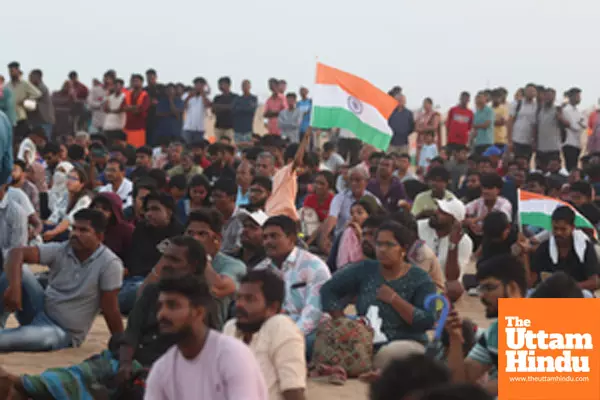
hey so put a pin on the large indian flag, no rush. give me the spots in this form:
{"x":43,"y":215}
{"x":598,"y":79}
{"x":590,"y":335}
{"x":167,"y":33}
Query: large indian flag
{"x":343,"y":100}
{"x":536,"y":210}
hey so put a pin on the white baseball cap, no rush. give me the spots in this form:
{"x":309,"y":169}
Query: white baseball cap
{"x":454,"y":207}
{"x":260,"y":217}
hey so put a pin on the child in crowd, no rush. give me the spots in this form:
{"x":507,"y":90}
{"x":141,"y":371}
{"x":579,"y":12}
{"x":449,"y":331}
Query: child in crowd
{"x":428,"y":152}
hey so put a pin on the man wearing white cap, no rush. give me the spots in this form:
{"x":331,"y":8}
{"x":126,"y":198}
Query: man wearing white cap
{"x":443,"y":233}
{"x":252,"y":251}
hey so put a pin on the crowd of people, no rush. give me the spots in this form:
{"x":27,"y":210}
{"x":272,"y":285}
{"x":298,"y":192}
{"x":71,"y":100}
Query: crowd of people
{"x":236,"y":259}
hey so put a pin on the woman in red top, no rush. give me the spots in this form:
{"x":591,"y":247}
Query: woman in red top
{"x":320,"y":200}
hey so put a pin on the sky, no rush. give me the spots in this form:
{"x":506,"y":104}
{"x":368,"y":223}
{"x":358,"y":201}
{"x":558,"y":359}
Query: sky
{"x":434,"y":48}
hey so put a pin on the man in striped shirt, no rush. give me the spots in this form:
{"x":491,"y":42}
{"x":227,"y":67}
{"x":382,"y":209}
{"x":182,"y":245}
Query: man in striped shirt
{"x":500,"y":276}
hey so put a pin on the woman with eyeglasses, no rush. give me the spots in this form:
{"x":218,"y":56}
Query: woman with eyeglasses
{"x":390,"y":283}
{"x":76,"y":197}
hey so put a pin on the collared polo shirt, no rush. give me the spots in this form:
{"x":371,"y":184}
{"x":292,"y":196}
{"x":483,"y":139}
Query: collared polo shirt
{"x":72,"y":298}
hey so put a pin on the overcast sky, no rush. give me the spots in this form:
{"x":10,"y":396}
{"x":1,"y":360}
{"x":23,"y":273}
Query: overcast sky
{"x":430,"y":48}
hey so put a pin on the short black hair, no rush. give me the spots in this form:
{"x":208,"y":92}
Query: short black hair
{"x":439,"y":173}
{"x":199,"y":80}
{"x":329,"y":178}
{"x":272,"y":286}
{"x":492,"y":180}
{"x":405,"y":155}
{"x":14,"y":64}
{"x":406,"y":375}
{"x":96,"y":218}
{"x":291,"y":95}
{"x":210,"y":216}
{"x":117,"y":161}
{"x":143,"y":183}
{"x":395,"y":90}
{"x":227,"y":186}
{"x":504,"y":267}
{"x":137,"y":76}
{"x":194,"y":288}
{"x":565,"y":214}
{"x":199,"y":144}
{"x":494,"y":224}
{"x":558,"y":286}
{"x":20,"y":163}
{"x":199,"y":180}
{"x":403,"y":235}
{"x":225,"y":79}
{"x":144,"y":150}
{"x":374,"y":221}
{"x":37,"y":72}
{"x":252,"y":153}
{"x":73,"y":74}
{"x":538,"y":178}
{"x":405,"y":218}
{"x":287,"y":225}
{"x":178,"y":181}
{"x":456,"y":391}
{"x":162,"y":198}
{"x":196,"y":255}
{"x":75,"y":152}
{"x":159,"y":176}
{"x":581,"y":187}
{"x":264,"y":182}
{"x":51,"y":148}
{"x":216,"y":148}
{"x":329,"y":146}
{"x":290,"y":153}
{"x":151,"y":71}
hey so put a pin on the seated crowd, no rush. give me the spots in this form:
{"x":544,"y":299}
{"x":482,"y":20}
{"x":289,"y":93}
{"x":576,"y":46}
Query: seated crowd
{"x":237,"y":262}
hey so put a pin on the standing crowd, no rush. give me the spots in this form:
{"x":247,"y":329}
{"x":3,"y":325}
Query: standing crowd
{"x":244,"y":264}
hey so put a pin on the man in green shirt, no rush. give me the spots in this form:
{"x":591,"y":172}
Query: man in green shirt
{"x":425,"y":203}
{"x":22,"y":90}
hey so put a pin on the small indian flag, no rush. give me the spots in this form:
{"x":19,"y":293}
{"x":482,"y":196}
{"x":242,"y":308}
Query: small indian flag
{"x":343,"y":100}
{"x":536,"y":210}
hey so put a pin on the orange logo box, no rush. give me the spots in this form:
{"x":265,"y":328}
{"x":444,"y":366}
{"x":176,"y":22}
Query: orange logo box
{"x":549,"y":349}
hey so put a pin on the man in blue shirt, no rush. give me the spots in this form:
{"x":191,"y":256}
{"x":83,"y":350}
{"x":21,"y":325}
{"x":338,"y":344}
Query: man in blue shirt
{"x":243,"y":109}
{"x":483,"y":124}
{"x":305,"y":105}
{"x":402,"y":123}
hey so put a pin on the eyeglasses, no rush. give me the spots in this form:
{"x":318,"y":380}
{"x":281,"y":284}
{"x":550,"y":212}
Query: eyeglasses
{"x":386,"y":245}
{"x":488,"y":287}
{"x":73,"y":178}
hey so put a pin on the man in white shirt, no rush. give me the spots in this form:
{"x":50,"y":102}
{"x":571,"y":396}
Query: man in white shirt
{"x":443,"y":233}
{"x":574,"y":122}
{"x":115,"y":116}
{"x":117,"y":182}
{"x":205,"y":364}
{"x":274,"y":338}
{"x":195,"y":104}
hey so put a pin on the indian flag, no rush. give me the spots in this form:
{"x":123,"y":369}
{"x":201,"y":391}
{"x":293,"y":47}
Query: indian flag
{"x":536,"y":210}
{"x":343,"y":100}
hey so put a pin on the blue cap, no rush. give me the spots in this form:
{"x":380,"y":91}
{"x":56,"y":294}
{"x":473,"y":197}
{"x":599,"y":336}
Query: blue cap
{"x":492,"y":151}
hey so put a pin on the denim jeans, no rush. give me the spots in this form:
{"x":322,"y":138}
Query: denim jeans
{"x":309,"y":342}
{"x":128,"y":293}
{"x":37,"y":332}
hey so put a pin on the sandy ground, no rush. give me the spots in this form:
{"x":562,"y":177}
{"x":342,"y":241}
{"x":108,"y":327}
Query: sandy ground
{"x":31,"y":363}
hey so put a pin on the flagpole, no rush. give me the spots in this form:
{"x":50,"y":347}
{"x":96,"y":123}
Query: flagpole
{"x":519,"y":211}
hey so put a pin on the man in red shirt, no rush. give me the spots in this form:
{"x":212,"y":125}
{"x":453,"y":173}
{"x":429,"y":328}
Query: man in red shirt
{"x":459,"y":124}
{"x":137,"y":103}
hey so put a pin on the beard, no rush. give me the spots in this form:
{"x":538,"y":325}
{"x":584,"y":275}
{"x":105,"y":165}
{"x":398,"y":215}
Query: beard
{"x":249,"y":327}
{"x":178,"y":336}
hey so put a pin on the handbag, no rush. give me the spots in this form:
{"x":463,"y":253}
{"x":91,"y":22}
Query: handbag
{"x":346,"y":343}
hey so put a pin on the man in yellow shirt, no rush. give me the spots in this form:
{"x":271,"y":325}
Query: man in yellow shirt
{"x":500,"y":120}
{"x":274,"y":338}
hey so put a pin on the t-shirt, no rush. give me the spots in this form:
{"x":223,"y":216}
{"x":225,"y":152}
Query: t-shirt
{"x":225,"y":369}
{"x":322,"y":209}
{"x":305,"y":106}
{"x":522,"y":131}
{"x":500,"y":132}
{"x":458,"y":124}
{"x":194,"y":114}
{"x":428,"y":152}
{"x":334,"y":162}
{"x":441,"y":246}
{"x":277,"y":104}
{"x":243,"y":109}
{"x":549,"y":131}
{"x":234,"y":269}
{"x":485,"y":350}
{"x":578,"y":270}
{"x":72,"y":298}
{"x":577,"y":124}
{"x":19,"y":197}
{"x":114,"y":121}
{"x":484,"y":135}
{"x":224,"y":116}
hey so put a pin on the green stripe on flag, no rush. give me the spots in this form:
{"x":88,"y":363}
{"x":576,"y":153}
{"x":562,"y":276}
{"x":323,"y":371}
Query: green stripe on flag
{"x":543,"y":220}
{"x":338,"y":117}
